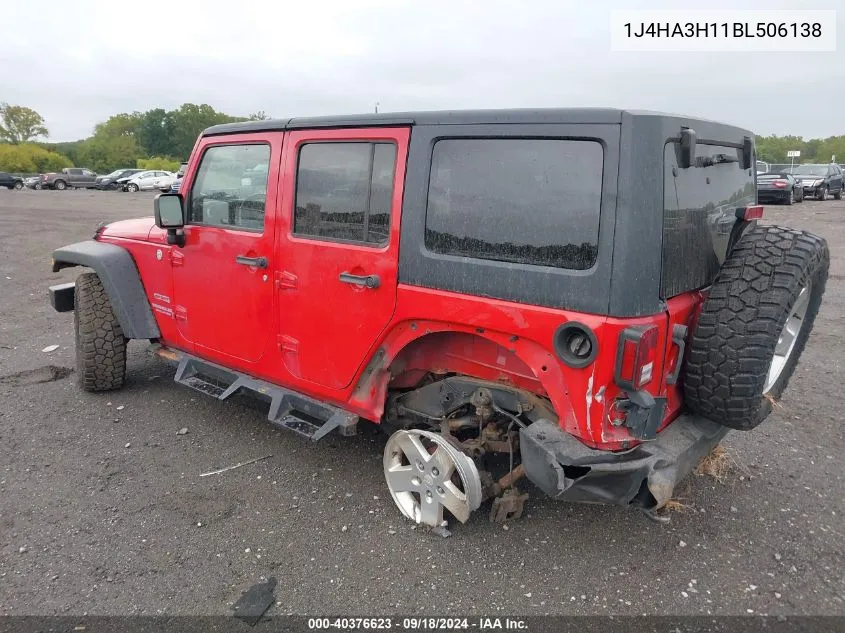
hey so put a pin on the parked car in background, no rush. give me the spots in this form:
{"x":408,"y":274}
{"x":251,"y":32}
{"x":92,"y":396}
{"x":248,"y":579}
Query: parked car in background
{"x":9,"y":181}
{"x":109,"y":181}
{"x":820,"y":180}
{"x":33,"y":182}
{"x":70,"y":177}
{"x":779,"y":187}
{"x":174,"y":188}
{"x":151,"y":179}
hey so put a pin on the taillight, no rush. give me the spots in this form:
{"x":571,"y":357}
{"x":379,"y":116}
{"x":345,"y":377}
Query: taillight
{"x":635,"y":356}
{"x":749,"y":213}
{"x":779,"y":184}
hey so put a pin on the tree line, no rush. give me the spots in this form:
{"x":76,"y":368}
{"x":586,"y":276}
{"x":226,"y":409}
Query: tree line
{"x":160,"y":139}
{"x":155,"y":139}
{"x":773,"y":149}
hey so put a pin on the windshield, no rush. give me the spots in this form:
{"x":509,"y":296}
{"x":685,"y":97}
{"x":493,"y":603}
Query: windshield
{"x":811,"y":170}
{"x":114,"y":174}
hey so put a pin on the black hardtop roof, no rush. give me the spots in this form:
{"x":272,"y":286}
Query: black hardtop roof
{"x":445,"y":117}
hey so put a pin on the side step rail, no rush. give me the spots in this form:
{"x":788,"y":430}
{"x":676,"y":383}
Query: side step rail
{"x":288,"y":409}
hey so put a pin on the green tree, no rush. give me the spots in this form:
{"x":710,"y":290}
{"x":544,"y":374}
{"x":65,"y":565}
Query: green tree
{"x":19,"y":124}
{"x":26,"y":158}
{"x":830,"y":147}
{"x":191,"y":119}
{"x":158,"y":162}
{"x":258,"y":116}
{"x":773,"y":149}
{"x":155,"y":132}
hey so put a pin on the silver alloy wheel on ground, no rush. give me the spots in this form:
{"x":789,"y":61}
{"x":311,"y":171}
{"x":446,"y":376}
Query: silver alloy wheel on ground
{"x":788,"y":337}
{"x":426,"y":475}
{"x":132,"y":187}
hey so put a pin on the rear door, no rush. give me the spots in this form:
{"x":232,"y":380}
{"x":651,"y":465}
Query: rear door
{"x":700,"y":204}
{"x":338,"y":248}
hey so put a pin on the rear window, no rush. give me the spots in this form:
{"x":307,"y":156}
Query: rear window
{"x":527,"y":201}
{"x":700,"y":205}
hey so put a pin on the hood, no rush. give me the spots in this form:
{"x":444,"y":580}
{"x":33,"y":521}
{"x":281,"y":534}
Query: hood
{"x":138,"y":229}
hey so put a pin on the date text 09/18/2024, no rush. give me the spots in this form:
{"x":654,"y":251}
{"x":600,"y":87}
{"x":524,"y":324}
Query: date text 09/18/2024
{"x":419,"y":624}
{"x":723,"y":30}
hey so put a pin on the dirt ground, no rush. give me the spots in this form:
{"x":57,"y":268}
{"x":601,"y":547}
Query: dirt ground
{"x":102,"y":510}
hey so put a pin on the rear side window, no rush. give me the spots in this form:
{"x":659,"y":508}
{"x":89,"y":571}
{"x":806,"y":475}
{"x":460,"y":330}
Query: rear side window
{"x":527,"y":201}
{"x":700,"y":205}
{"x":231,"y":187}
{"x":344,"y":191}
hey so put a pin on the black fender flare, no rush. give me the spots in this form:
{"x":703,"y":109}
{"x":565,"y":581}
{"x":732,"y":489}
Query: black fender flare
{"x":119,"y":274}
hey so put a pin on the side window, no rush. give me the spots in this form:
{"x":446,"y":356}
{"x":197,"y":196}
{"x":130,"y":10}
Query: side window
{"x":527,"y":201}
{"x":231,"y":186}
{"x":344,"y":191}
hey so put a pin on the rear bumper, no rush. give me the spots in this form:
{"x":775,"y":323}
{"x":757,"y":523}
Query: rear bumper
{"x":779,"y":195}
{"x":644,"y":476}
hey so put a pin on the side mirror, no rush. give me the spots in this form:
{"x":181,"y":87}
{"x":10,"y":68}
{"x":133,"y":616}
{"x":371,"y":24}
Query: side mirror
{"x":170,"y":215}
{"x":168,"y":211}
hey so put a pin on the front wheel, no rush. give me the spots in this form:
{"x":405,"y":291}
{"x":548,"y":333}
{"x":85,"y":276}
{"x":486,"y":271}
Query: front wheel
{"x":100,"y":344}
{"x":132,"y":187}
{"x":38,"y":187}
{"x":18,"y":186}
{"x":821,"y":194}
{"x":755,"y":324}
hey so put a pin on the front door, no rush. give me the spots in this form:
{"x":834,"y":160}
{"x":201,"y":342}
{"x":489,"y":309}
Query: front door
{"x":338,"y":248}
{"x":223,"y":276}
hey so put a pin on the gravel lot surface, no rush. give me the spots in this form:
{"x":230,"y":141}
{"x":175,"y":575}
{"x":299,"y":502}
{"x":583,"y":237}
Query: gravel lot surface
{"x":102,"y":510}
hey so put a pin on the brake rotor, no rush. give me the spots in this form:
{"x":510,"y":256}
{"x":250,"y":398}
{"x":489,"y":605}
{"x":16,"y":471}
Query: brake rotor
{"x":426,"y":475}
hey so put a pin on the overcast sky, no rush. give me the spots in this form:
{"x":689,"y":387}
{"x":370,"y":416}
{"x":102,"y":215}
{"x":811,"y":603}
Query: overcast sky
{"x":79,"y":62}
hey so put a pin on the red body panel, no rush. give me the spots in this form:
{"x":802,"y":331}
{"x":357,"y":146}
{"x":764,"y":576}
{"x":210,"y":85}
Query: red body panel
{"x":303,"y":329}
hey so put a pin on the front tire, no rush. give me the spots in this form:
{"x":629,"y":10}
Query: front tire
{"x":821,"y":194}
{"x":755,"y":324}
{"x":18,"y":186}
{"x":132,"y":187}
{"x":100,"y":344}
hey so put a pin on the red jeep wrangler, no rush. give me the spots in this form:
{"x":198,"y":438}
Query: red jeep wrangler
{"x":581,"y":297}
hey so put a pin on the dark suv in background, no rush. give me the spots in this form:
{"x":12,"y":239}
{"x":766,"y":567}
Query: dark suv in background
{"x":820,"y":180}
{"x":9,"y":181}
{"x":109,"y":181}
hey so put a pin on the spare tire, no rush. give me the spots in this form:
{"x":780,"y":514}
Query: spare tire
{"x":754,"y":325}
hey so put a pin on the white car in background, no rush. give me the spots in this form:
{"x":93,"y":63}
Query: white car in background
{"x":149,"y":180}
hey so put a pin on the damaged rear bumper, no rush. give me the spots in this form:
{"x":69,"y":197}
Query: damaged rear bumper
{"x":645,"y":476}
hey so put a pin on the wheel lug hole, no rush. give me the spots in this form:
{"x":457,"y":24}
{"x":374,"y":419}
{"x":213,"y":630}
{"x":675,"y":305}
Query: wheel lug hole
{"x":420,"y":466}
{"x":440,"y":491}
{"x":435,"y":471}
{"x":428,"y":496}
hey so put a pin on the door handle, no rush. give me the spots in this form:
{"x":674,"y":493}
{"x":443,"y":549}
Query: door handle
{"x":367,"y":281}
{"x":259,"y":262}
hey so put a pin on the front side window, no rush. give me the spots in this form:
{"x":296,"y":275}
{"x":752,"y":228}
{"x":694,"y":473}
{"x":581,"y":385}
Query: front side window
{"x":527,"y":201}
{"x":231,"y":186}
{"x":344,"y":191}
